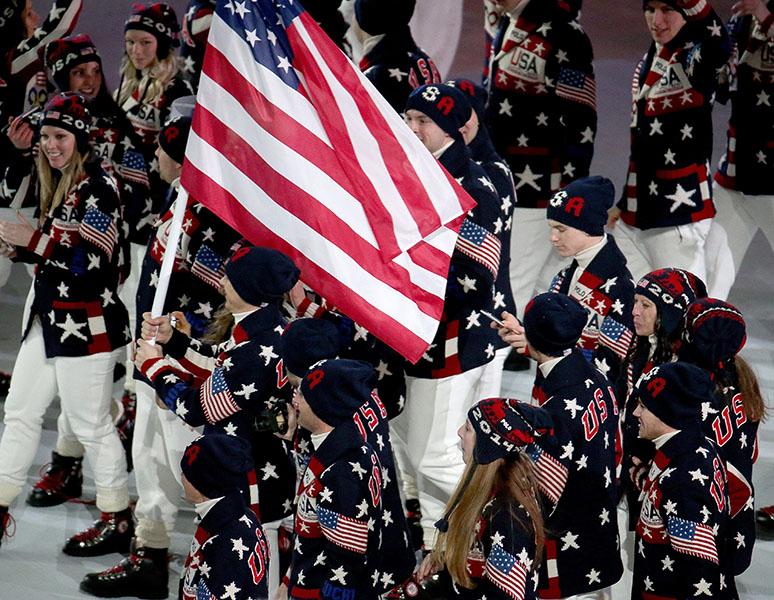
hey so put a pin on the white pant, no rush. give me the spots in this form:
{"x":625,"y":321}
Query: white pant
{"x":435,"y":410}
{"x":160,"y":438}
{"x":128,"y":295}
{"x":680,"y":246}
{"x":84,"y":386}
{"x":533,"y":260}
{"x":738,"y":219}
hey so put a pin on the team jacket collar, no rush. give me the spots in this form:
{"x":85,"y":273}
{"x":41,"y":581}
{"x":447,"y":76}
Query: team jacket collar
{"x":230,"y":508}
{"x":257,"y":323}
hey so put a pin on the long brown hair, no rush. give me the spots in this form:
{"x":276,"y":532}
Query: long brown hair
{"x":752,"y":399}
{"x":219,"y":328}
{"x":54,"y":189}
{"x":513,"y":482}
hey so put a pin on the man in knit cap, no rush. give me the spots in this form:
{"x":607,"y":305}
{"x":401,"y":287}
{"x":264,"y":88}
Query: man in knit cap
{"x":666,"y":204}
{"x":447,"y":380}
{"x":597,"y":277}
{"x":340,"y":518}
{"x":229,"y":554}
{"x":682,"y":548}
{"x":582,"y":554}
{"x":382,"y":46}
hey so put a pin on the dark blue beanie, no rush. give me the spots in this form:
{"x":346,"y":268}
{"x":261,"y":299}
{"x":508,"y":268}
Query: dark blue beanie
{"x":217,"y":464}
{"x":672,"y":291}
{"x":173,"y":137}
{"x":553,"y":323}
{"x":675,"y":392}
{"x":307,"y":341}
{"x":715,"y":332}
{"x":583,"y":204}
{"x":261,"y":275}
{"x":504,"y":425}
{"x":476,"y":95}
{"x":448,"y":107}
{"x":335,"y":389}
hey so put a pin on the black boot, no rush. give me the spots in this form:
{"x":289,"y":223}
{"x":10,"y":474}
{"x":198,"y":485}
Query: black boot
{"x":414,"y":518}
{"x":764,"y":518}
{"x":5,"y":384}
{"x":143,"y":574}
{"x":61,"y":482}
{"x":113,"y":532}
{"x":7,"y":524}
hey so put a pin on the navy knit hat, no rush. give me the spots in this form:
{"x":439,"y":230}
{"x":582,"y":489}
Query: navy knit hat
{"x":672,"y":291}
{"x":448,"y":107}
{"x":553,"y":323}
{"x":307,"y":341}
{"x":60,"y":56}
{"x":158,"y":19}
{"x":261,"y":275}
{"x":675,"y":392}
{"x":504,"y":425}
{"x":583,"y":204}
{"x":217,"y":464}
{"x":383,"y":16}
{"x":475,"y":93}
{"x":174,"y":136}
{"x":335,"y":389}
{"x":69,"y":111}
{"x":714,"y":333}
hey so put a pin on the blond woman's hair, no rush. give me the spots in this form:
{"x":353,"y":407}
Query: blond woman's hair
{"x":150,"y":82}
{"x":512,"y":482}
{"x":53,"y":190}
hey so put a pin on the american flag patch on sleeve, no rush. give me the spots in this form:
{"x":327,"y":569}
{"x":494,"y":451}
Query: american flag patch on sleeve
{"x":346,"y":532}
{"x":506,"y":572}
{"x":692,"y":538}
{"x":616,"y":336}
{"x":577,"y":86}
{"x":477,"y":243}
{"x":99,"y":229}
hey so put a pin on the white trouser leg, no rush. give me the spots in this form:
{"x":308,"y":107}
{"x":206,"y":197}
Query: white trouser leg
{"x":436,"y":408}
{"x":159,"y":441}
{"x":681,"y":247}
{"x":623,"y":589}
{"x":128,"y":295}
{"x":530,"y":249}
{"x":67,"y":443}
{"x":85,"y":390}
{"x":637,"y":259}
{"x":405,"y":471}
{"x":33,"y":387}
{"x":492,"y":376}
{"x":271,"y":531}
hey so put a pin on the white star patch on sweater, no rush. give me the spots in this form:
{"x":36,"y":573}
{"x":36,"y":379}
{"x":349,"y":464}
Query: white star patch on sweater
{"x":681,"y":197}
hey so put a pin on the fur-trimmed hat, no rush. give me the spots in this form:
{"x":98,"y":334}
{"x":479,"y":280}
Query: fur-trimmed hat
{"x":217,"y":464}
{"x":335,"y":389}
{"x":448,"y":107}
{"x":504,"y":425}
{"x":583,"y":204}
{"x":307,"y":341}
{"x":675,"y":392}
{"x":158,"y":19}
{"x":174,"y":136}
{"x":260,"y":274}
{"x":553,"y":323}
{"x":69,"y":111}
{"x":672,"y":291}
{"x":60,"y":56}
{"x":383,"y":16}
{"x":714,"y":333}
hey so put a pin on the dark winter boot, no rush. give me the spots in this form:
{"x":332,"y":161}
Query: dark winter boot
{"x":764,"y":518}
{"x":143,"y":574}
{"x":7,"y":524}
{"x":61,"y":482}
{"x":5,"y":384}
{"x":414,"y":518}
{"x":112,"y":532}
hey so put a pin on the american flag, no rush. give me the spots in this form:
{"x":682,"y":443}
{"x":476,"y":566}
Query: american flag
{"x":217,"y":401}
{"x":477,"y":243}
{"x":506,"y":572}
{"x":692,"y":538}
{"x":577,"y":86}
{"x":133,"y":167}
{"x":208,"y":266}
{"x":203,"y":592}
{"x":551,"y":474}
{"x":99,"y":228}
{"x":296,"y":150}
{"x":616,"y":336}
{"x":346,"y":532}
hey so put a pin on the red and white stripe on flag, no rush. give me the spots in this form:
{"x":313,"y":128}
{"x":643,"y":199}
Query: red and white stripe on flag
{"x":296,"y":150}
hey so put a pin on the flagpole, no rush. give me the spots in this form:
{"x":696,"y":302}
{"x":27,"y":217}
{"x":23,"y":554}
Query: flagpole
{"x":176,"y":227}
